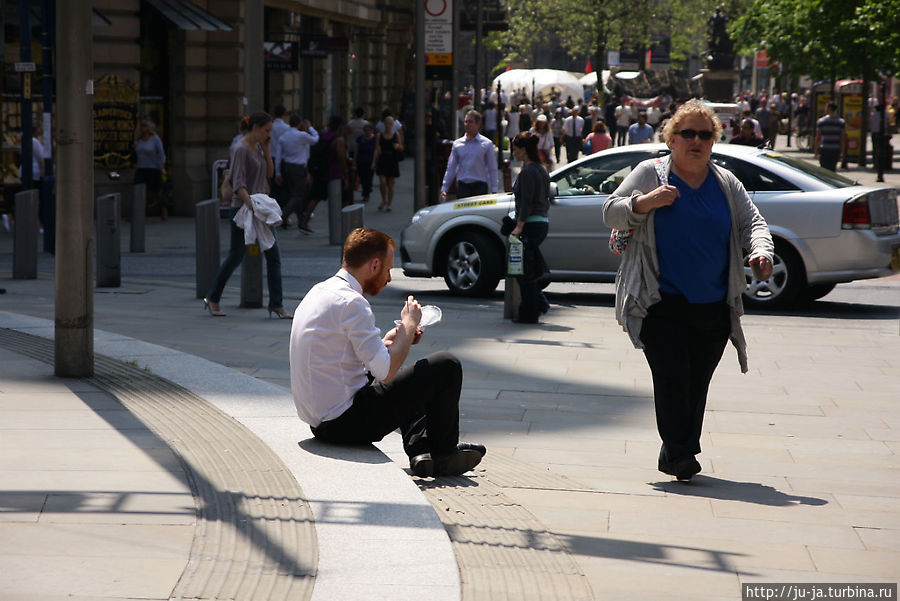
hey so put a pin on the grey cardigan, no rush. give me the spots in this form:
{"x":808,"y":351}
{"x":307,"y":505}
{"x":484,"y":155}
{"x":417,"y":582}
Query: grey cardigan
{"x":637,"y":287}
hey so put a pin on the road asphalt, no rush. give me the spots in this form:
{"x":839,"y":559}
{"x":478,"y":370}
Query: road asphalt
{"x":180,"y":470}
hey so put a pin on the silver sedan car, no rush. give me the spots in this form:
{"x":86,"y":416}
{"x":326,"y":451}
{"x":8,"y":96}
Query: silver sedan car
{"x":826,"y":228}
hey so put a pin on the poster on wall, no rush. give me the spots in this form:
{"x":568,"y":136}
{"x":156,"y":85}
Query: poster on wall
{"x":852,"y":112}
{"x":281,"y":56}
{"x":115,"y":122}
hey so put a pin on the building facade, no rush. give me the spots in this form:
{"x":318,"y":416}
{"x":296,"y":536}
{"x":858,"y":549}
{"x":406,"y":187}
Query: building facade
{"x":185,"y":65}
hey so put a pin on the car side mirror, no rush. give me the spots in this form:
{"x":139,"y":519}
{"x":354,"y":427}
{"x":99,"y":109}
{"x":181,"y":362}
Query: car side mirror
{"x":554,"y":190}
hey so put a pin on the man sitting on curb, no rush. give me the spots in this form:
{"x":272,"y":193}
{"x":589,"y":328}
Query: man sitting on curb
{"x":348,"y":382}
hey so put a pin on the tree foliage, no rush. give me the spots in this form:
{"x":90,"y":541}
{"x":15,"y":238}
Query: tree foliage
{"x":591,"y":27}
{"x":852,"y":38}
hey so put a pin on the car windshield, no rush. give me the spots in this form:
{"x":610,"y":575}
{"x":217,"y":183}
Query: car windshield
{"x":824,"y":175}
{"x":602,"y":175}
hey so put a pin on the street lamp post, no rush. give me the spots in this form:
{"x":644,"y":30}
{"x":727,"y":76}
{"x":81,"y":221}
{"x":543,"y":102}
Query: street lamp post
{"x":74,"y":324}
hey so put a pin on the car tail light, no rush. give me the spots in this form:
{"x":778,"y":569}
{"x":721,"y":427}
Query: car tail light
{"x":856,"y":214}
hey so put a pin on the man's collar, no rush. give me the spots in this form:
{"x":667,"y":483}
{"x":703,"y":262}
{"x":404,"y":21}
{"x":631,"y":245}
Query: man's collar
{"x":348,"y":277}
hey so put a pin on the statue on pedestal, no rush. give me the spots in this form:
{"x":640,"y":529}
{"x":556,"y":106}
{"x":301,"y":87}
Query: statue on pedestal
{"x":720,"y":55}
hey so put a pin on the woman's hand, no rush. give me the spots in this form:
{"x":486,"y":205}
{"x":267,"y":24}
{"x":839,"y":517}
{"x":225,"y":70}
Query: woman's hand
{"x":520,"y":225}
{"x":761,"y":267}
{"x":662,"y":196}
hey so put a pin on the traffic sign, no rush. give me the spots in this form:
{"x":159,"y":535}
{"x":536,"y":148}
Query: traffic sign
{"x":25,"y":68}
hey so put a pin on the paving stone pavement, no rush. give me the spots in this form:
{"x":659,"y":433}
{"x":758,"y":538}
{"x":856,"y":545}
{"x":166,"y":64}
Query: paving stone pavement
{"x":800,"y":464}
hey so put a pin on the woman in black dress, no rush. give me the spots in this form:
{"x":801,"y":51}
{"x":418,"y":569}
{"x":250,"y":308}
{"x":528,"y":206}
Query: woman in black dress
{"x":388,"y":146}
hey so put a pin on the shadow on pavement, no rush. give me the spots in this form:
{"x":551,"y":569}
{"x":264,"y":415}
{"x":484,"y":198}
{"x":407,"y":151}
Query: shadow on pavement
{"x":363,"y":453}
{"x":729,"y":490}
{"x":834,"y":310}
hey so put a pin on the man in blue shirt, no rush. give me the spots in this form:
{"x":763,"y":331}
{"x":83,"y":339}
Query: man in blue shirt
{"x":640,"y":132}
{"x":473,"y":162}
{"x":831,"y":138}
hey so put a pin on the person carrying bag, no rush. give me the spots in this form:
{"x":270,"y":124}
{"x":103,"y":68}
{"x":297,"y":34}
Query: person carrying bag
{"x":532,"y":194}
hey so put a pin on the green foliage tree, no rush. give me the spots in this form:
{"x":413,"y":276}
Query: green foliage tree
{"x":591,"y":27}
{"x":824,"y":38}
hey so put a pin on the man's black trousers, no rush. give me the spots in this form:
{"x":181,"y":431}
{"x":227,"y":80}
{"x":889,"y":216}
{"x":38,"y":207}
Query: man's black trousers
{"x":421,"y":399}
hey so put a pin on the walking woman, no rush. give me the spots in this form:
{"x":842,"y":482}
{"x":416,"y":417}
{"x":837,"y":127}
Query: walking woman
{"x":387,"y":146}
{"x":532,"y":193}
{"x":151,"y":166}
{"x":544,"y":135}
{"x":678,"y":290}
{"x":251,"y":166}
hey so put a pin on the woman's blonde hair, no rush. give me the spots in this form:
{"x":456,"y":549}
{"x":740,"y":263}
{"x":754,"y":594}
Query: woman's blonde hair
{"x":690,"y":108}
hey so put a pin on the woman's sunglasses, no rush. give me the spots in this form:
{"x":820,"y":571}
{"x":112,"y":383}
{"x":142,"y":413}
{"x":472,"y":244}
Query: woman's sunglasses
{"x":690,"y":134}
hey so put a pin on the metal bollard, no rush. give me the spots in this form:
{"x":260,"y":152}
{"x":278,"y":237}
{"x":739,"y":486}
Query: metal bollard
{"x":251,"y":278}
{"x":138,"y":211}
{"x":352,"y":217}
{"x":206,"y":228}
{"x":109,"y":251}
{"x":25,"y":247}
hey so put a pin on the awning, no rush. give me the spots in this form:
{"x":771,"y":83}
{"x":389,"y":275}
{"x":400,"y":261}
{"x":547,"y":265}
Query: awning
{"x":187,"y":15}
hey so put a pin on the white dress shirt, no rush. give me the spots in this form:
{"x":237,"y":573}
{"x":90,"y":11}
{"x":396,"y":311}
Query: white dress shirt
{"x":572,"y":126}
{"x":334,"y":342}
{"x":293,"y":147}
{"x":279,"y":126}
{"x":472,"y":160}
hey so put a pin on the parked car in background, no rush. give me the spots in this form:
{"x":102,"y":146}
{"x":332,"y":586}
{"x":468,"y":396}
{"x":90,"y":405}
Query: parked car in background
{"x":826,"y":228}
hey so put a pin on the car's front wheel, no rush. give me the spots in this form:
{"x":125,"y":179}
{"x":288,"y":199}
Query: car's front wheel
{"x":788,"y":279}
{"x":473,"y":265}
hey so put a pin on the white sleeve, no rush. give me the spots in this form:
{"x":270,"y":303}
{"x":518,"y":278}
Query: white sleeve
{"x":358,"y":323}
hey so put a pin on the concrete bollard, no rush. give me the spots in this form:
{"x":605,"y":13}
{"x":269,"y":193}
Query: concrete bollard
{"x":352,"y":217}
{"x":109,"y":240}
{"x":251,"y":278}
{"x":206,"y":228}
{"x":138,"y":211}
{"x":25,"y":247}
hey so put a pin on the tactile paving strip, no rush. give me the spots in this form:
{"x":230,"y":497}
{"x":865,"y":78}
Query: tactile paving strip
{"x":255,"y":536}
{"x":504,"y":552}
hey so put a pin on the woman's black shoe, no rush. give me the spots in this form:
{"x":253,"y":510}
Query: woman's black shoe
{"x":683,"y":469}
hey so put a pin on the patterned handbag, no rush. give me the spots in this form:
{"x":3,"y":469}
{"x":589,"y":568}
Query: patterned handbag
{"x":618,"y":239}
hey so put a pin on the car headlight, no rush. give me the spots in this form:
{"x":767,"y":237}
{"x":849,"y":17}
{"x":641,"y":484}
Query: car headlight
{"x":421,"y":213}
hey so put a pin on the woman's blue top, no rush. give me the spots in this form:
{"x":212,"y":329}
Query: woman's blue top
{"x":692,"y":237}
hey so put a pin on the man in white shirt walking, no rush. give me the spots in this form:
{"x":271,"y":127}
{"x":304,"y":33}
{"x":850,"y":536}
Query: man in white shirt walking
{"x":473,"y":162}
{"x":290,"y":168}
{"x":348,"y":381}
{"x":279,"y":127}
{"x":573,"y":128}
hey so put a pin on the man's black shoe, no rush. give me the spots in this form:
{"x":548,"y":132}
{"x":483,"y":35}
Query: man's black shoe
{"x":457,"y":463}
{"x":471,"y":446}
{"x":422,"y":465}
{"x":466,"y":457}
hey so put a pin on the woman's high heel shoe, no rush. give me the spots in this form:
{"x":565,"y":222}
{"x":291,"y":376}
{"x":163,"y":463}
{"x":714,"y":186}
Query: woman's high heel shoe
{"x":213,"y":308}
{"x":280,"y":313}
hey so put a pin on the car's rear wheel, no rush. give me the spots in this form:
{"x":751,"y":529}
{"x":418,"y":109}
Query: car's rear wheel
{"x":473,"y":265}
{"x":788,"y":279}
